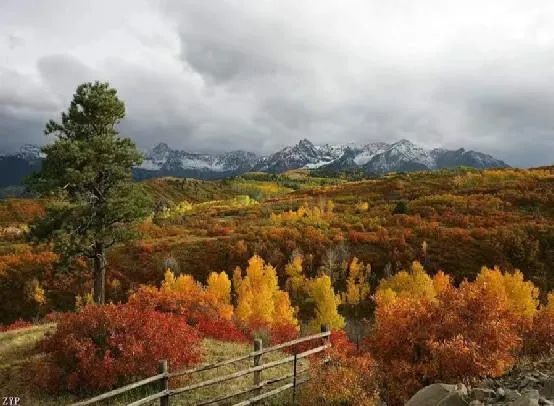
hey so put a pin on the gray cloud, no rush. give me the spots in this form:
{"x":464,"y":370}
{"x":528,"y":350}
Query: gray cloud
{"x":212,"y":75}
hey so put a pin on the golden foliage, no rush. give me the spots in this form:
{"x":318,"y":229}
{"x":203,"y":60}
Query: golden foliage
{"x":357,"y":286}
{"x":259,"y":299}
{"x":522,"y":296}
{"x":322,"y":293}
{"x":415,"y":283}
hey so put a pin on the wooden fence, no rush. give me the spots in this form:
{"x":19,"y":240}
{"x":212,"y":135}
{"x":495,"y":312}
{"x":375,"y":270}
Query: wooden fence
{"x":165,"y":393}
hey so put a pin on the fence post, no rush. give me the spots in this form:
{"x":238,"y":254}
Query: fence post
{"x":325,"y":329}
{"x":164,"y":382}
{"x":294,"y":378}
{"x":258,"y":345}
{"x":326,"y":340}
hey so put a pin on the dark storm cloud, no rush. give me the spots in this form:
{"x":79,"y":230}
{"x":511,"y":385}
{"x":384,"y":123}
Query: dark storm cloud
{"x":220,"y":75}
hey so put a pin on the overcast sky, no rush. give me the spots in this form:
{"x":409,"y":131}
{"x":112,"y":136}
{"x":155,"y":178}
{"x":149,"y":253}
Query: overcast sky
{"x":219,"y":75}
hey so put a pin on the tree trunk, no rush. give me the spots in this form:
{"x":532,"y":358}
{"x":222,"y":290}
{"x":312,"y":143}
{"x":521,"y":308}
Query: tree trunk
{"x":99,"y":274}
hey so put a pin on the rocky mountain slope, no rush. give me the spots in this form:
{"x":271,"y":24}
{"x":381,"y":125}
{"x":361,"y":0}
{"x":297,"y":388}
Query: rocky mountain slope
{"x":374,"y":158}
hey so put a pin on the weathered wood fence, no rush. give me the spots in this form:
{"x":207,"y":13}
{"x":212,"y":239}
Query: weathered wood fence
{"x":289,"y":381}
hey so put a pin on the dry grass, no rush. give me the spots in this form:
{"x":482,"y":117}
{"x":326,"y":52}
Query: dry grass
{"x":18,"y":356}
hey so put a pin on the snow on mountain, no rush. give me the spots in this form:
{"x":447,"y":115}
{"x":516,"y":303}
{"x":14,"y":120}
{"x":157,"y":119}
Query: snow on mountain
{"x":377,"y":157}
{"x":373,"y":158}
{"x":161,"y":157}
{"x":29,"y":152}
{"x":368,"y":151}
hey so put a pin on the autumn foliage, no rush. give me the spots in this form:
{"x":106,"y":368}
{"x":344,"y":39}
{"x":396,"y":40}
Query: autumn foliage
{"x":185,"y":296}
{"x":102,"y":347}
{"x":430,"y":331}
{"x":345,"y":378}
{"x":260,"y":302}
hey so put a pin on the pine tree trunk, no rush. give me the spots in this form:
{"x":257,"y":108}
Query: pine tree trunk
{"x":100,"y":274}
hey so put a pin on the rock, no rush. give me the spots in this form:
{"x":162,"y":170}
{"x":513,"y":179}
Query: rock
{"x":548,"y":389}
{"x":511,"y":395}
{"x":542,"y":376}
{"x":529,"y":398}
{"x":439,"y":394}
{"x":545,"y":402}
{"x":500,"y":392}
{"x":453,"y":399}
{"x":528,"y":381}
{"x":483,"y":394}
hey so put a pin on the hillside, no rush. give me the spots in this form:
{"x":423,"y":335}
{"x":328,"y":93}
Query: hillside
{"x":466,"y":218}
{"x":334,"y":236}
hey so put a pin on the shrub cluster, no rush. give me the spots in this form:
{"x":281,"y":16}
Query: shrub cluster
{"x":101,"y":347}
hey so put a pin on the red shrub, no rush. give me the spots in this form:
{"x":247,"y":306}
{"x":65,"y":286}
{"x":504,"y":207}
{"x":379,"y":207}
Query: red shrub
{"x":102,"y":347}
{"x":464,"y":334}
{"x":221,"y":329}
{"x":341,"y":343}
{"x":282,"y":333}
{"x":16,"y":325}
{"x":540,"y":338}
{"x":343,"y":381}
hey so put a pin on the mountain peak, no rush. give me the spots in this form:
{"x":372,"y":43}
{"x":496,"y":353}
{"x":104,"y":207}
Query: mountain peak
{"x":29,"y":152}
{"x":162,"y":147}
{"x":305,"y":143}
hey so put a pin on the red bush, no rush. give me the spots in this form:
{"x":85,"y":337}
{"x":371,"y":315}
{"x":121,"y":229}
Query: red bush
{"x":221,"y":329}
{"x":539,"y":340}
{"x":16,"y":325}
{"x":464,"y":334}
{"x":102,"y":347}
{"x":341,"y":343}
{"x":282,"y":333}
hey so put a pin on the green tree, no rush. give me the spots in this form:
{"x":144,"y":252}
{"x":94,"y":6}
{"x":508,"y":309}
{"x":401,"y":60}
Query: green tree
{"x":86,"y":174}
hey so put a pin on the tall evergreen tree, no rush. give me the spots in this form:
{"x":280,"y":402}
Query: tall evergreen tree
{"x":86,"y":175}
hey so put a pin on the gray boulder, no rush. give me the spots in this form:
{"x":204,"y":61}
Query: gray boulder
{"x":528,"y":398}
{"x":439,"y":394}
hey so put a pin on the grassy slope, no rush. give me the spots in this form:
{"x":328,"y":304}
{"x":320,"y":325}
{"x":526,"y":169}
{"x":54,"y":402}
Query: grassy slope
{"x":17,"y":359}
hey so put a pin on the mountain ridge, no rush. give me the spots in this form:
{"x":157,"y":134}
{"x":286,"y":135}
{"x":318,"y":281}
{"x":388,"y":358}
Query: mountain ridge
{"x":373,"y":159}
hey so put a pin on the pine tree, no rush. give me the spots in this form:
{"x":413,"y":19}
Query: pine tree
{"x":86,"y":173}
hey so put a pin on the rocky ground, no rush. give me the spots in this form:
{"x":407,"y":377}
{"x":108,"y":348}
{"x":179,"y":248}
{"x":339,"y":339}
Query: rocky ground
{"x":528,"y":384}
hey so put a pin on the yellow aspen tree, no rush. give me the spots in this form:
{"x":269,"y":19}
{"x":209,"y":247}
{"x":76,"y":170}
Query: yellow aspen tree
{"x":219,"y":286}
{"x":295,"y":275}
{"x":218,"y":289}
{"x":181,"y":284}
{"x":326,"y":312}
{"x":522,"y":296}
{"x":441,"y":282}
{"x":357,"y":287}
{"x":259,"y":300}
{"x":415,"y":284}
{"x":283,"y":312}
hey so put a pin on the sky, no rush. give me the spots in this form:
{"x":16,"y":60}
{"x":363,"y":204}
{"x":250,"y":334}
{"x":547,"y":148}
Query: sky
{"x":219,"y":75}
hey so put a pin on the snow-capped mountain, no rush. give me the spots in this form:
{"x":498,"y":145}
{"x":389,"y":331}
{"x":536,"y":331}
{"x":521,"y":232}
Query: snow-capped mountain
{"x":375,"y":158}
{"x":166,"y":161}
{"x":29,"y":152}
{"x":406,"y":156}
{"x":14,"y":168}
{"x":302,"y":155}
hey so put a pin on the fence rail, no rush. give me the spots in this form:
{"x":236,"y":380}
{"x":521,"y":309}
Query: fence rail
{"x":258,"y":385}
